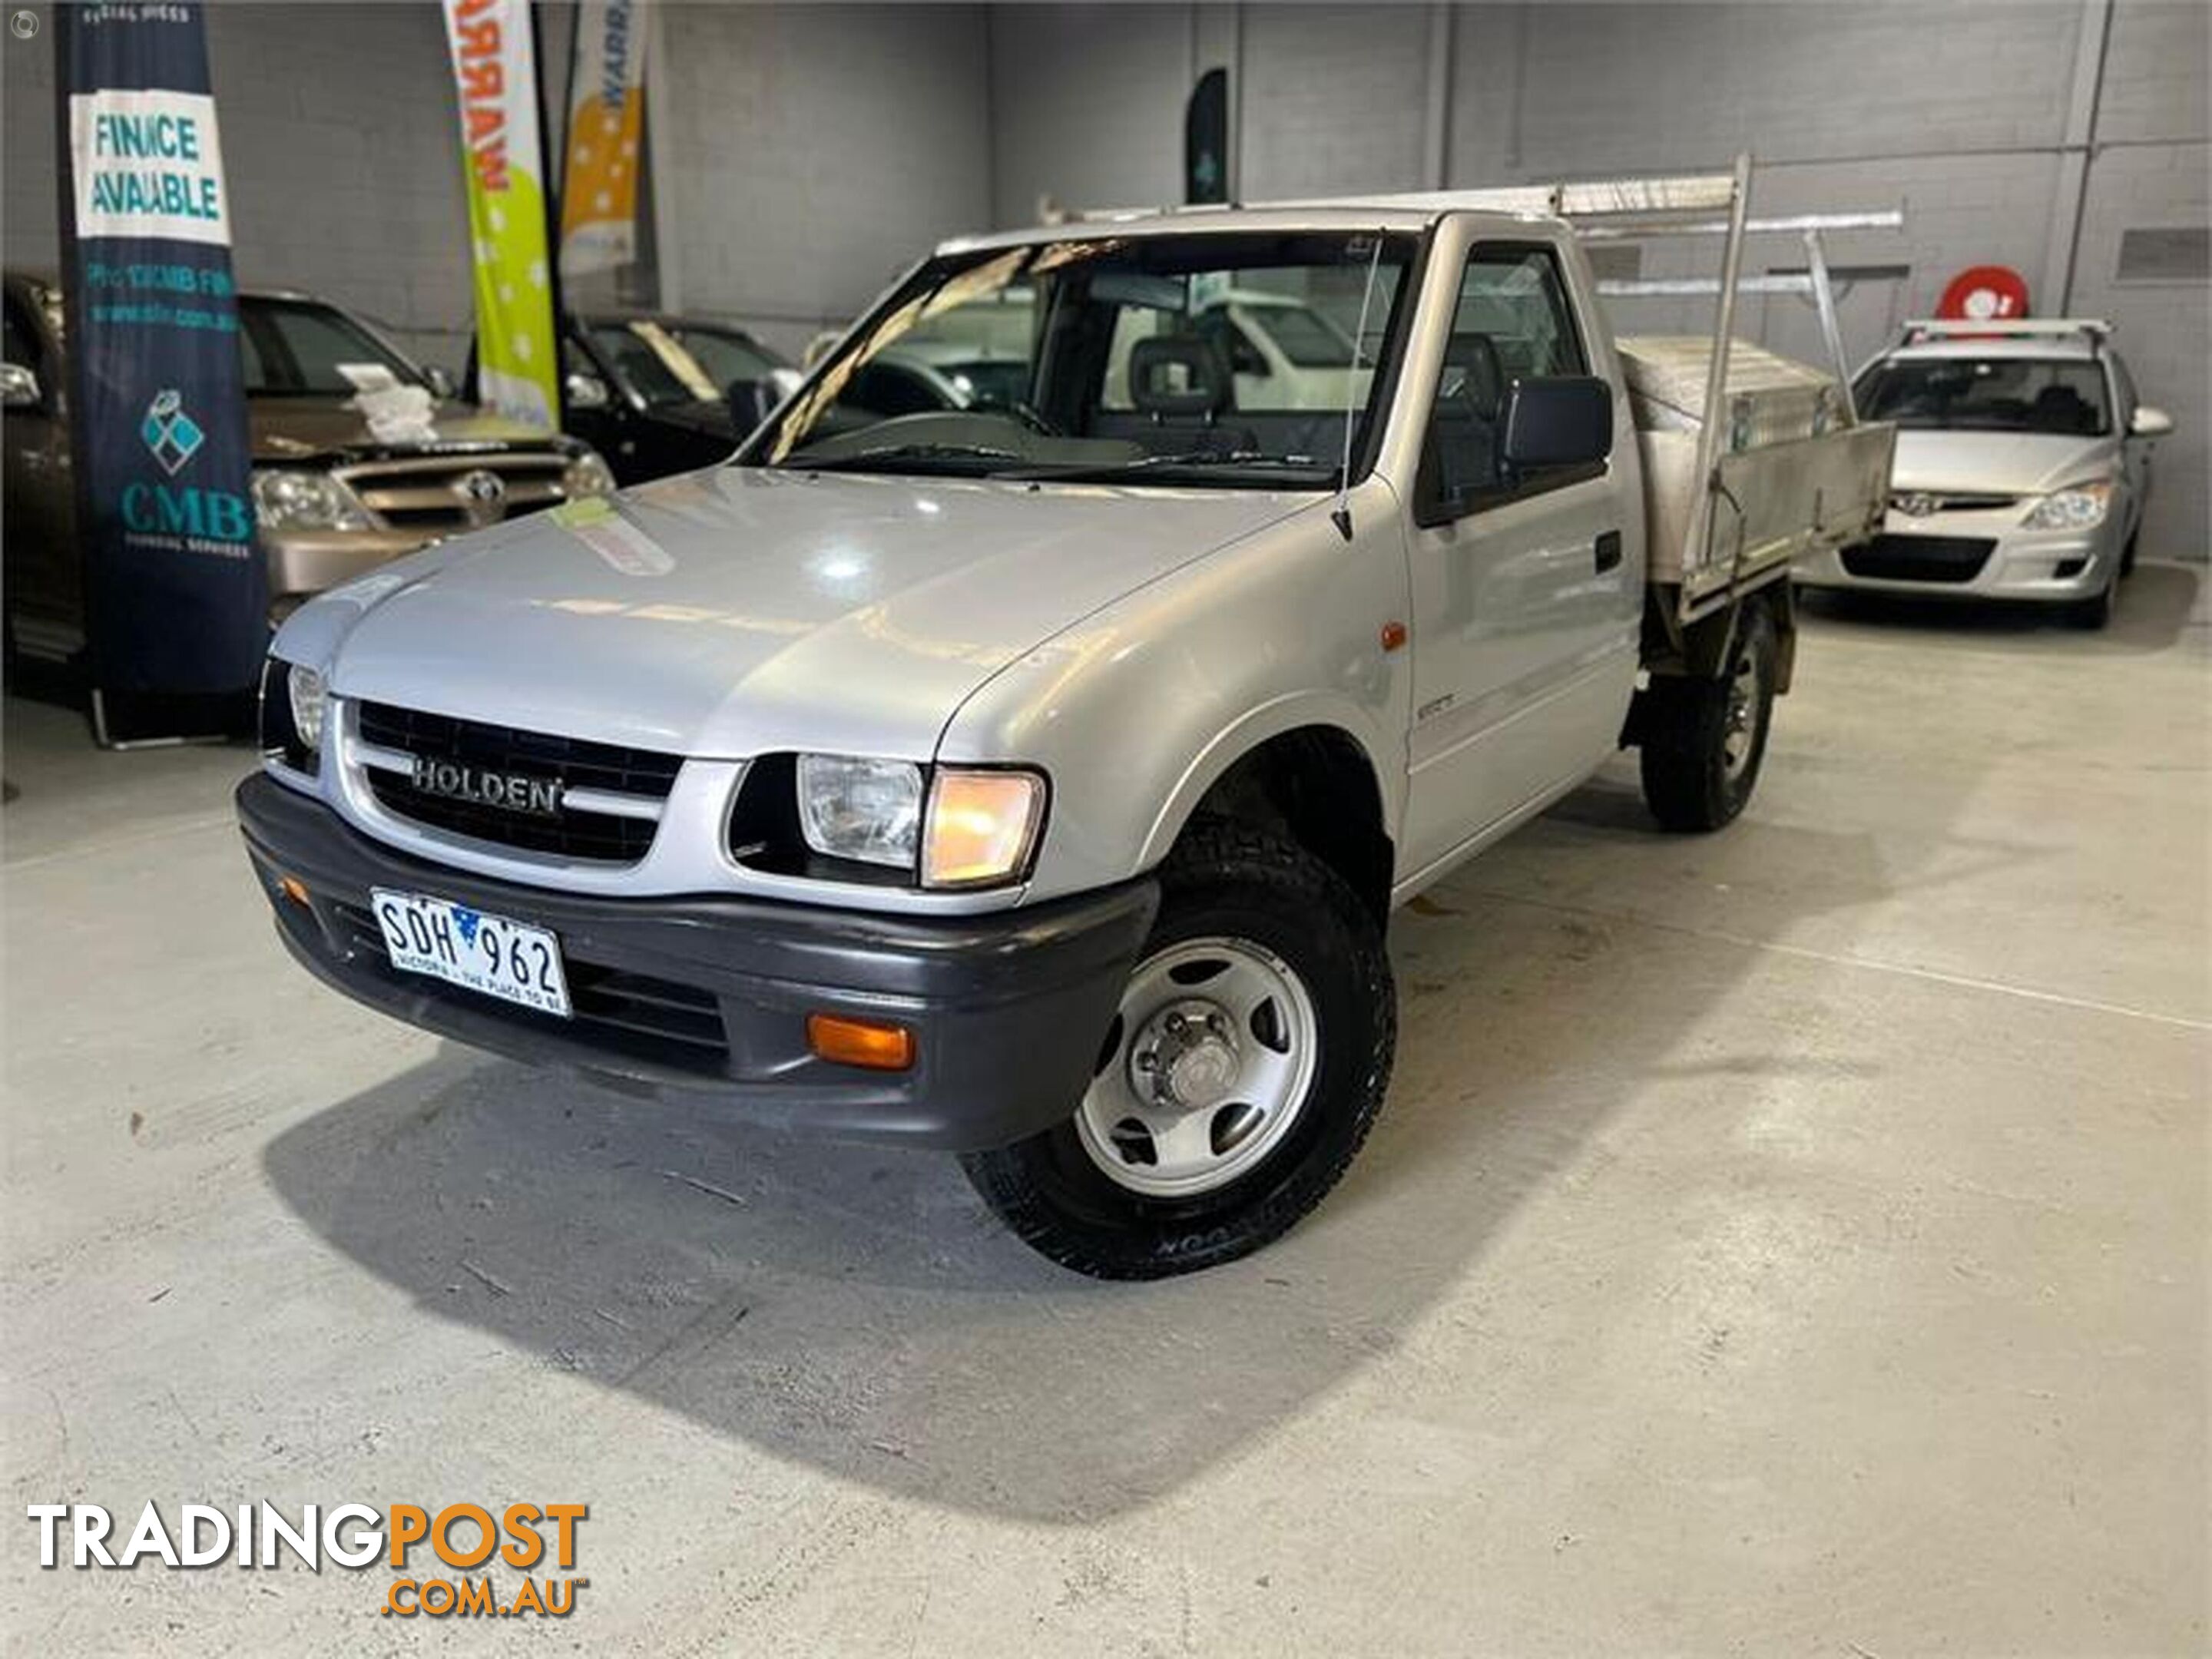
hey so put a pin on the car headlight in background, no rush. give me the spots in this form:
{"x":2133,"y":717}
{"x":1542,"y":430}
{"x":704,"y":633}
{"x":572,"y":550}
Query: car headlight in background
{"x":305,"y":691}
{"x":2081,"y":507}
{"x":869,"y":809}
{"x":286,"y":498}
{"x":587,"y":475}
{"x":961,"y":826}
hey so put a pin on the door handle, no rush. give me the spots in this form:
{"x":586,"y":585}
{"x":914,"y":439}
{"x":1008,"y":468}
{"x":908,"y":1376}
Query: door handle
{"x":1608,"y":551}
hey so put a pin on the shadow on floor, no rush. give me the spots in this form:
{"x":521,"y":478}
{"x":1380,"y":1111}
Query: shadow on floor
{"x":2157,"y":603}
{"x":858,"y":1312}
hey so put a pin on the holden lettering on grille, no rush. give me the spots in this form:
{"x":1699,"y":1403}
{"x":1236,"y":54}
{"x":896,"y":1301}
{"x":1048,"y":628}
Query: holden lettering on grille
{"x":514,"y":791}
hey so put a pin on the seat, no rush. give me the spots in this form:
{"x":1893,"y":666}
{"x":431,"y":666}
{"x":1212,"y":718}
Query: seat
{"x":2062,"y":409}
{"x":1181,"y":383}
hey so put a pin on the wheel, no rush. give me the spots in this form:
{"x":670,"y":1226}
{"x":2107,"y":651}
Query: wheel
{"x":1244,"y":1069}
{"x":1703,"y":740}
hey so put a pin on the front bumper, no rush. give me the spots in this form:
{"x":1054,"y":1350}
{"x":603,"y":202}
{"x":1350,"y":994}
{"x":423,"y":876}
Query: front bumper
{"x":1971,"y":555}
{"x":712,"y":994}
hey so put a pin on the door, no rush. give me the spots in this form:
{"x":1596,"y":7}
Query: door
{"x":44,"y":583}
{"x":1527,"y":598}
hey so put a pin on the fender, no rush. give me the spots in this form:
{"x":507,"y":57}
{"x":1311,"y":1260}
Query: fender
{"x":1288,"y":712}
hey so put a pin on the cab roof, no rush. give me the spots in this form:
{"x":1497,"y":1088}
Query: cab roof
{"x":1408,"y":214}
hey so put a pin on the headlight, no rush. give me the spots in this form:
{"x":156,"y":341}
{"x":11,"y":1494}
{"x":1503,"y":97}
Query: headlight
{"x":869,"y":809}
{"x":2078,"y":508}
{"x":588,"y":475}
{"x":981,"y":827}
{"x":304,"y":687}
{"x":967,"y":827}
{"x":284,"y":499}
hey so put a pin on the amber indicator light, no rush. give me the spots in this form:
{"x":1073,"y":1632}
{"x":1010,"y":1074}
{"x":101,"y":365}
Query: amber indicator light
{"x":874,"y":1044}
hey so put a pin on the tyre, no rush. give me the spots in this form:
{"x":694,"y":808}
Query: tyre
{"x":1242,"y":1070}
{"x":1705,"y":740}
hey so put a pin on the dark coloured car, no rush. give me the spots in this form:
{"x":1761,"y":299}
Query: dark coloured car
{"x":653,"y":393}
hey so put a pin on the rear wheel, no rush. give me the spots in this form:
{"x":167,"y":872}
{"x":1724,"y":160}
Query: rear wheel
{"x":1703,"y":740}
{"x":1244,"y":1069}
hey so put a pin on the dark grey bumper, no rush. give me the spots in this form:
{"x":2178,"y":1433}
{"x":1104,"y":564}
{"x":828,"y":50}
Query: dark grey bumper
{"x":712,"y":994}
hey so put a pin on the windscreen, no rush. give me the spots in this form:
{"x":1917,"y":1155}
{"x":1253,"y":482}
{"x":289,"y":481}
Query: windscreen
{"x":299,"y":348}
{"x":1116,"y":356}
{"x":2060,"y":395}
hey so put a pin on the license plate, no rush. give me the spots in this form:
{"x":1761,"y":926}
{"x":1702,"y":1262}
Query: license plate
{"x":510,"y":960}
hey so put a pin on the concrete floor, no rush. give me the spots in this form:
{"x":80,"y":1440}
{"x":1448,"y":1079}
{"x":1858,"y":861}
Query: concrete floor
{"x":1792,"y":1241}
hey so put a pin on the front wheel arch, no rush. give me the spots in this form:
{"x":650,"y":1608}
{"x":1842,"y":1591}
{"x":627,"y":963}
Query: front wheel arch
{"x":1315,"y":785}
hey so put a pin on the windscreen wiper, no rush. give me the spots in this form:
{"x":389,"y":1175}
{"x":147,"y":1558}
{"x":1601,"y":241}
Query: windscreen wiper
{"x":913,"y":452}
{"x":1097,"y":471}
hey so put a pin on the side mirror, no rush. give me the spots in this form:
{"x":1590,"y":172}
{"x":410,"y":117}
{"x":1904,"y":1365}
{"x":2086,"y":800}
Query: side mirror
{"x":441,"y":381}
{"x":752,"y":402}
{"x":585,"y":391}
{"x":2149,"y":422}
{"x":1559,"y":420}
{"x":19,"y":388}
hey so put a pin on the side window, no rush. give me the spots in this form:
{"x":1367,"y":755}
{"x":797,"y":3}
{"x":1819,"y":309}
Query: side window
{"x":1513,"y":321}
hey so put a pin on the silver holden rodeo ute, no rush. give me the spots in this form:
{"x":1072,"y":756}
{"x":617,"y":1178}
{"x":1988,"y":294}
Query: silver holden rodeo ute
{"x":1035,"y":779}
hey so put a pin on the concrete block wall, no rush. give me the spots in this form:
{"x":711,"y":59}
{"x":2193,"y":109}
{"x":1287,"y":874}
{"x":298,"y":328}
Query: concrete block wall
{"x":818,"y":151}
{"x":815,"y":150}
{"x":339,"y":137}
{"x":1990,"y":124}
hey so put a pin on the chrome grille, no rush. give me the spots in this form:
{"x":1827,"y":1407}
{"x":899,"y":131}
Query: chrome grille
{"x":448,"y":492}
{"x":1921,"y":503}
{"x":610,"y":794}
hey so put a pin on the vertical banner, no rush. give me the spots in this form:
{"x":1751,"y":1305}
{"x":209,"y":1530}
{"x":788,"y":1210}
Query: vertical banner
{"x":1205,"y":139}
{"x":495,"y":72}
{"x":606,"y":131}
{"x":177,"y":600}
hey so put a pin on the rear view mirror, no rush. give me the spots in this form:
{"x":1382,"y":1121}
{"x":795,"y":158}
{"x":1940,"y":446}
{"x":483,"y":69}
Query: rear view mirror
{"x":19,"y":388}
{"x":1559,"y":420}
{"x":2149,"y":422}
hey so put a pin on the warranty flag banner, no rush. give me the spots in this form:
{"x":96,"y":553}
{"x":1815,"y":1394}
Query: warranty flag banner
{"x":606,"y":124}
{"x":176,"y":594}
{"x":496,"y":71}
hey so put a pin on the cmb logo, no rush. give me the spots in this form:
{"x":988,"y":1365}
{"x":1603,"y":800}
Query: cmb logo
{"x":173,"y":437}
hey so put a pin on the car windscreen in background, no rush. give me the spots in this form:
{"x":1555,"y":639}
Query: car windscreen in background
{"x":294,"y":348}
{"x":1989,"y":394}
